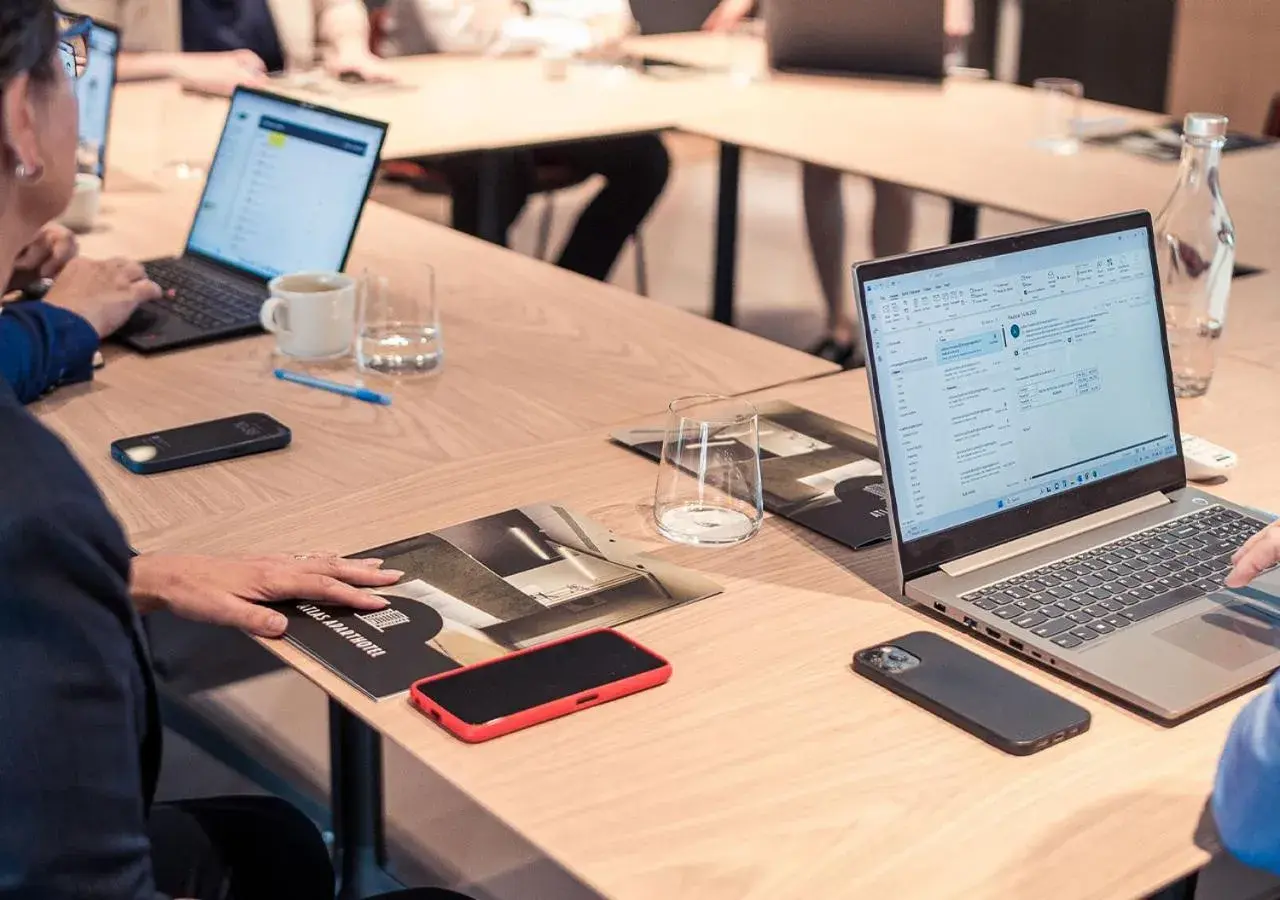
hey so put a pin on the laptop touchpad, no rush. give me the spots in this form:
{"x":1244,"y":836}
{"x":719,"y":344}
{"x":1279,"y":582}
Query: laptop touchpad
{"x":1231,"y":637}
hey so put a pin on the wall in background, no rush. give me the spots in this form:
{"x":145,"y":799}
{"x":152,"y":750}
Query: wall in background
{"x":1226,"y":58}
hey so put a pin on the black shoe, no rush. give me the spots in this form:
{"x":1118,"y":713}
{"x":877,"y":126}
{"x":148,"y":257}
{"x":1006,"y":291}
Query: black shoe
{"x":847,"y":356}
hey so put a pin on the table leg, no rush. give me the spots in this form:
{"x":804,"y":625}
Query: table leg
{"x":964,"y":222}
{"x":726,"y":233}
{"x":491,"y":175}
{"x":355,"y":764}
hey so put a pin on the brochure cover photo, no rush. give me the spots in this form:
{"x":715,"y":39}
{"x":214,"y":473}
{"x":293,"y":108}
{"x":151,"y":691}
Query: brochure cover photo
{"x":478,"y":590}
{"x":820,"y":473}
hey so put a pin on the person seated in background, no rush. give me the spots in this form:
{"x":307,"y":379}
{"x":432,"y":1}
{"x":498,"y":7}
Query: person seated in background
{"x":79,"y":729}
{"x":892,"y":213}
{"x":635,"y":168}
{"x":214,"y":46}
{"x":1246,"y":793}
{"x":51,"y":342}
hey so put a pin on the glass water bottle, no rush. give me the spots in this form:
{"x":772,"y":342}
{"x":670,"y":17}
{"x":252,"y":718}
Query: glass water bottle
{"x":1196,"y":247}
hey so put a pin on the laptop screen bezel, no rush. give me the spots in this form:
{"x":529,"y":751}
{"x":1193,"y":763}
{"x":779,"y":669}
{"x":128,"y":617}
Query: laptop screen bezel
{"x":111,"y":94}
{"x":188,"y":250}
{"x":926,"y":554}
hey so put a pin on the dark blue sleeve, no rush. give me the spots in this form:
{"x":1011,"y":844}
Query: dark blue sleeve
{"x":72,"y":807}
{"x":1246,"y":796}
{"x":43,"y":346}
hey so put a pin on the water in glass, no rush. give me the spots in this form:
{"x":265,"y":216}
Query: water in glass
{"x":399,"y":333}
{"x":709,"y":486}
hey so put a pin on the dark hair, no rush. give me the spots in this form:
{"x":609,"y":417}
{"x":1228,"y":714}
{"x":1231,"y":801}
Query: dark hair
{"x":28,"y":39}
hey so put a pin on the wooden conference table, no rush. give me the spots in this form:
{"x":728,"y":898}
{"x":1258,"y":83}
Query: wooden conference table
{"x":766,"y":769}
{"x":533,"y":354}
{"x":968,"y":140}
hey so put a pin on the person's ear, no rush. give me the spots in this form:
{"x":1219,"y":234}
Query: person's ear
{"x":18,"y":129}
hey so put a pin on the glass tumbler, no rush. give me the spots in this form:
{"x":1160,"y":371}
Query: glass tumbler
{"x":1060,"y":99}
{"x":398,"y":332}
{"x":709,"y":485}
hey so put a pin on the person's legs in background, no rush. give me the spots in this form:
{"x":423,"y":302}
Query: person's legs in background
{"x":635,"y":170}
{"x":891,"y":219}
{"x":824,"y":223}
{"x":891,"y":223}
{"x":238,"y":848}
{"x":247,"y":848}
{"x":515,"y":182}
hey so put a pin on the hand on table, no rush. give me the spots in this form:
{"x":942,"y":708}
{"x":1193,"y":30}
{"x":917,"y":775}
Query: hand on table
{"x":1259,"y":553}
{"x":727,"y":14}
{"x":360,"y":64}
{"x":102,"y":292}
{"x":220,"y":73}
{"x":48,"y":254}
{"x":228,"y":590}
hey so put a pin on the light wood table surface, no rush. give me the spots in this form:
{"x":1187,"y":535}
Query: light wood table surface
{"x":444,"y":104}
{"x":970,"y":140}
{"x":533,"y":354}
{"x":765,"y":768}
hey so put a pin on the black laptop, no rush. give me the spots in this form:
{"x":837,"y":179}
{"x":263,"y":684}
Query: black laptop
{"x":284,"y":194}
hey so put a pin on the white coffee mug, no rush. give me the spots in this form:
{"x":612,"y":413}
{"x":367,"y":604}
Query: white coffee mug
{"x":312,"y":314}
{"x":81,"y":213}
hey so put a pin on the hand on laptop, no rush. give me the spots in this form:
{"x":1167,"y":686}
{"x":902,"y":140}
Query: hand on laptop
{"x":102,"y":292}
{"x":727,"y":14}
{"x":220,"y":73}
{"x":228,"y":591}
{"x":51,"y":250}
{"x":1260,"y":553}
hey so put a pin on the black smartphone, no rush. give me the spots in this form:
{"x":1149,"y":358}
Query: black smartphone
{"x":1006,"y":710}
{"x":526,"y":688}
{"x":204,"y":442}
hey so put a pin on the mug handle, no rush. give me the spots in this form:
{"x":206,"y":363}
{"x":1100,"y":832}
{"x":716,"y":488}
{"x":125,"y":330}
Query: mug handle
{"x":267,"y":315}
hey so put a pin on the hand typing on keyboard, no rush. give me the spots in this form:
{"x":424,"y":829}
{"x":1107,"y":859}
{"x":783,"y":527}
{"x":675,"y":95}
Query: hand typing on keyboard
{"x":1260,"y":553}
{"x":102,"y":292}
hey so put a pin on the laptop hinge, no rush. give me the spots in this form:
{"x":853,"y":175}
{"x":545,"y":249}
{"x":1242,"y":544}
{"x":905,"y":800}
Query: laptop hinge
{"x":1075,"y":527}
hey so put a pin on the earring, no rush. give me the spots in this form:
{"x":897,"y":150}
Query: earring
{"x":29,"y":174}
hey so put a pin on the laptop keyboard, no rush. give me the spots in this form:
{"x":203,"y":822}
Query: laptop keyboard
{"x":1106,"y":589}
{"x":203,"y":299}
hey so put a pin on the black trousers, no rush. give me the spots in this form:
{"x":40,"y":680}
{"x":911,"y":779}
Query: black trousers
{"x":635,"y":169}
{"x":246,"y":848}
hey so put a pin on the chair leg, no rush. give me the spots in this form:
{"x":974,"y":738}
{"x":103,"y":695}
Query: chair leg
{"x":544,"y":227}
{"x":642,"y":265}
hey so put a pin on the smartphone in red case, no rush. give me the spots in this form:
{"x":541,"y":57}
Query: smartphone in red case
{"x":528,"y":687}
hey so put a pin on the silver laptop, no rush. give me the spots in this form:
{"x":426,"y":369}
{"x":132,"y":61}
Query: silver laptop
{"x":888,"y":38}
{"x":1030,"y":443}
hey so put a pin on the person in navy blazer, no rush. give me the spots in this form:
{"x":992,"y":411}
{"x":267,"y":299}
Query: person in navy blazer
{"x":80,"y":734}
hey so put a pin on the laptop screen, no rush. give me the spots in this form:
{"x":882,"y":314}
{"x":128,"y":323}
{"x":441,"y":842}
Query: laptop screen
{"x":93,"y":91}
{"x":286,"y":187}
{"x":1008,"y":379}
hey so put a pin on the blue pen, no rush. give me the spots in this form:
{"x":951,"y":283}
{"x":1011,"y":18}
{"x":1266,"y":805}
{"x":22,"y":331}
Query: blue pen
{"x":333,"y":387}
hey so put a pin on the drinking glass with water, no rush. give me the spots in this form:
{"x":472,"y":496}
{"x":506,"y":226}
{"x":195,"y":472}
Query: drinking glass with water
{"x":398,"y":331}
{"x":709,"y":487}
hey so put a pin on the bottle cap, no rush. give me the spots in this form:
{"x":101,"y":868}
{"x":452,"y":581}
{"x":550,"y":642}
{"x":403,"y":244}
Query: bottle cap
{"x":1205,"y":125}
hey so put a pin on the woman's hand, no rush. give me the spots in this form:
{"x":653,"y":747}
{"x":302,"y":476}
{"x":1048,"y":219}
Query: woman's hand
{"x":219,"y":74}
{"x":354,"y":61}
{"x":49,"y":253}
{"x":103,"y":293}
{"x":228,"y":590}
